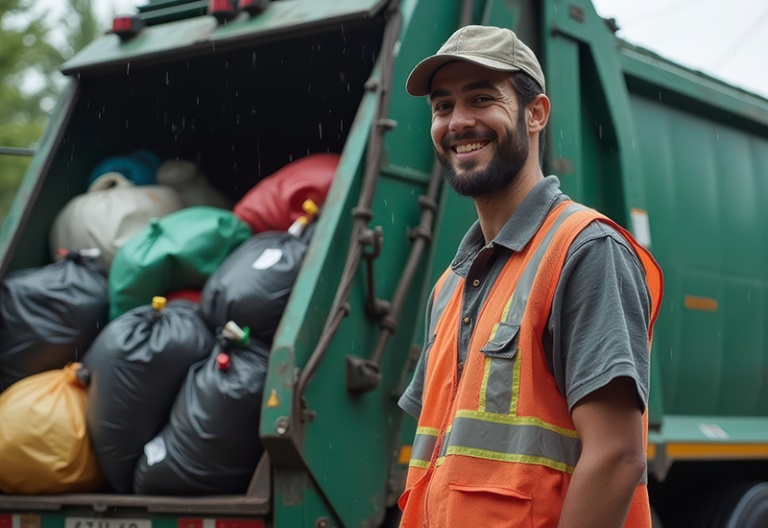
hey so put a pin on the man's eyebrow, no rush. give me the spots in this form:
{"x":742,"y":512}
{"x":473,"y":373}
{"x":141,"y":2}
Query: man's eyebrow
{"x":438,"y":93}
{"x":487,"y":85}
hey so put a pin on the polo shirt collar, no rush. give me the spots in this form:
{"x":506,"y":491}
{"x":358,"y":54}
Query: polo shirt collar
{"x":518,"y":230}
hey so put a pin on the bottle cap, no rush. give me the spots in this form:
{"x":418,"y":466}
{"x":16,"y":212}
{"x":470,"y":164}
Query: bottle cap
{"x":158,"y":303}
{"x":222,"y":361}
{"x":235,"y":333}
{"x":309,"y":207}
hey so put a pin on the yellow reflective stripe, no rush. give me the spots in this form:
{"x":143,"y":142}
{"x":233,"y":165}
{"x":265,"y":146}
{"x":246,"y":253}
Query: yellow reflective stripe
{"x":515,"y":385}
{"x":516,"y":420}
{"x":505,"y":313}
{"x":431,"y":431}
{"x":484,"y":386}
{"x":505,"y":457}
{"x":440,"y":461}
{"x":493,"y":332}
{"x":423,"y":464}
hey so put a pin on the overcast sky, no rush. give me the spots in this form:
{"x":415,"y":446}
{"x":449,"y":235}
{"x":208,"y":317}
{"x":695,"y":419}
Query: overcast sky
{"x":728,"y":40}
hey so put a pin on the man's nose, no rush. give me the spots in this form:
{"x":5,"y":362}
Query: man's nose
{"x":462,"y":118}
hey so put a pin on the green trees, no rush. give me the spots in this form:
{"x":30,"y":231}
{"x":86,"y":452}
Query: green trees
{"x":29,"y":84}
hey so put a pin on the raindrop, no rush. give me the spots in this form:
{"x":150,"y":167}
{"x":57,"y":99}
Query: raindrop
{"x":128,"y":69}
{"x":167,"y":79}
{"x":385,"y":202}
{"x":309,"y":87}
{"x":198,"y":100}
{"x":718,"y":137}
{"x":554,"y":7}
{"x":600,"y":131}
{"x":393,"y":218}
{"x":320,"y":127}
{"x":659,"y":96}
{"x":341,"y":123}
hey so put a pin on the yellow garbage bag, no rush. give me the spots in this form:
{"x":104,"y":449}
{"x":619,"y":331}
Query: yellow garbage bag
{"x":44,"y":443}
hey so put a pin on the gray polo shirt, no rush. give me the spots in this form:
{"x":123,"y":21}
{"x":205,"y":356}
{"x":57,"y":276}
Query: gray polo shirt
{"x":598,"y":326}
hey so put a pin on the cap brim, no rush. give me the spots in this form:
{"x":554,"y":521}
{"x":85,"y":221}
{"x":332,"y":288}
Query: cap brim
{"x":419,"y":82}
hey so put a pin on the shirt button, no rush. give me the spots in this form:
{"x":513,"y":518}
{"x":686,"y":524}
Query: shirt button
{"x":467,"y":320}
{"x":476,"y":283}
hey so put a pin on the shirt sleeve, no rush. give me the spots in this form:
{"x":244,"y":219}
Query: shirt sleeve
{"x":410,"y":401}
{"x":598,"y":328}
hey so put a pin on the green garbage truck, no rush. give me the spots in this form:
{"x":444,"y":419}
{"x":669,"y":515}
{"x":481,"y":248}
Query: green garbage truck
{"x":677,"y":157}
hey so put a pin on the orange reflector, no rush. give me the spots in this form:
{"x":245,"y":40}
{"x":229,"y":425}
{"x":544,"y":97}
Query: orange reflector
{"x":700,"y":303}
{"x":239,"y":523}
{"x":405,"y":455}
{"x":30,"y":521}
{"x":274,"y":400}
{"x":650,"y":451}
{"x":717,"y":450}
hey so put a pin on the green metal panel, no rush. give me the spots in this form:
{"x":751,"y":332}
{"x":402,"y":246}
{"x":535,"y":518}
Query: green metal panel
{"x":201,"y":35}
{"x":17,"y":251}
{"x":707,"y":223}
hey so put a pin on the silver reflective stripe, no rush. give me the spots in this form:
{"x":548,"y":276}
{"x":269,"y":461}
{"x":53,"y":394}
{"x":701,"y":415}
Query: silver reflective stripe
{"x":441,"y":301}
{"x":423,"y":447}
{"x":499,"y":392}
{"x":526,"y":443}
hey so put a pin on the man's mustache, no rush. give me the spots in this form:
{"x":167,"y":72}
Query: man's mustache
{"x":445,"y":144}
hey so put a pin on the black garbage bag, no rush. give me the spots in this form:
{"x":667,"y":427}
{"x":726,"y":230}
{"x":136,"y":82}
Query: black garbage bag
{"x":137,"y":366}
{"x":211,"y":444}
{"x":253,"y":284}
{"x":49,"y":316}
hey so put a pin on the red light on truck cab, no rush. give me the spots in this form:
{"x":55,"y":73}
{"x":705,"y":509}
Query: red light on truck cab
{"x":121,"y":24}
{"x":221,"y":8}
{"x":126,"y":26}
{"x":6,"y":521}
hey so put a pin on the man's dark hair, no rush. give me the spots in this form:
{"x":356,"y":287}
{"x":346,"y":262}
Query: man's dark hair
{"x":527,"y":89}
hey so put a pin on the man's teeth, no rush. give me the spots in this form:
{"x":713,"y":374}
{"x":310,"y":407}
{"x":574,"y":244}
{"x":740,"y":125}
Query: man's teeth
{"x":461,"y":149}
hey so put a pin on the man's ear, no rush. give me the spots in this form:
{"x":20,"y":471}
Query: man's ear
{"x":538,"y":113}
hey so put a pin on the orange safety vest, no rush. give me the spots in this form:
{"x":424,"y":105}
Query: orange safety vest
{"x":498,"y":447}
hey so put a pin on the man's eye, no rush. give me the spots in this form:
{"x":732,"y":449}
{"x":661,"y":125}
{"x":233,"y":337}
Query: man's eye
{"x":482,"y":99}
{"x":439,"y":107}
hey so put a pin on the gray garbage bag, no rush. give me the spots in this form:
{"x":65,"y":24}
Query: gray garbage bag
{"x":211,"y":444}
{"x":137,"y":365}
{"x":253,"y":284}
{"x":50,"y":315}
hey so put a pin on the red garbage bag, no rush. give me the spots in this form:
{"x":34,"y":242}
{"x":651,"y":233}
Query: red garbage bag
{"x":275,"y":202}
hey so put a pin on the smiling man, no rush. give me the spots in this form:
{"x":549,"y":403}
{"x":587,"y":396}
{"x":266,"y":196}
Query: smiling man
{"x":531,"y":389}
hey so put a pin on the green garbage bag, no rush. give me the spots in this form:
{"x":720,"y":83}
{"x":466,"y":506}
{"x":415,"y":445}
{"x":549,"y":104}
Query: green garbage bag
{"x":175,"y":252}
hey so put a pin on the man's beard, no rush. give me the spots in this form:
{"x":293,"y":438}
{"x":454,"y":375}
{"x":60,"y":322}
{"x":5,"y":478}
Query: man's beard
{"x":503,"y":169}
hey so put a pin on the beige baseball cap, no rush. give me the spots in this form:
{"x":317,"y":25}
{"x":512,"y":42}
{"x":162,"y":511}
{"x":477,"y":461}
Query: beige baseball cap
{"x":491,"y":47}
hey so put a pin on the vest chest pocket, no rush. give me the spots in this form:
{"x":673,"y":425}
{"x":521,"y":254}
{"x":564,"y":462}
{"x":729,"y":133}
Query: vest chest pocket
{"x":504,"y":342}
{"x":501,"y":376}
